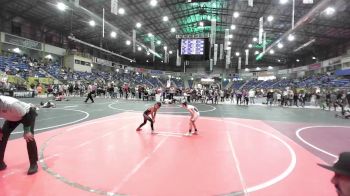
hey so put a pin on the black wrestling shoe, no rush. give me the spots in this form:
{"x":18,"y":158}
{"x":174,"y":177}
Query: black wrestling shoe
{"x":3,"y":166}
{"x":33,"y":169}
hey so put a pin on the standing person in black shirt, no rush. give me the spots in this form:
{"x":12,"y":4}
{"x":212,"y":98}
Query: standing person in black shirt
{"x":150,"y":111}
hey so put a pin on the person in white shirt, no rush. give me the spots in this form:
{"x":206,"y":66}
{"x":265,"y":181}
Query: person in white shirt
{"x":16,"y":112}
{"x":252,"y":96}
{"x":194,"y":116}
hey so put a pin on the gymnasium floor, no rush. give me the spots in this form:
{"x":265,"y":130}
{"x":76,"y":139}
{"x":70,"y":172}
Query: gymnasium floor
{"x":93,"y":149}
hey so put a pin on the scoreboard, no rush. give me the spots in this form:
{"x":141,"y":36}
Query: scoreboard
{"x":192,"y":46}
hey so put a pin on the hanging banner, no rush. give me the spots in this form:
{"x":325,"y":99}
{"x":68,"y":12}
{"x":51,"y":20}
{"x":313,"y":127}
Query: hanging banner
{"x":228,"y":59}
{"x":239,"y":63}
{"x":246,"y":57}
{"x":221,"y":51}
{"x":114,"y":6}
{"x":103,"y":22}
{"x":227,"y":31}
{"x":250,"y":3}
{"x":261,"y":29}
{"x":178,"y":59}
{"x":211,"y":64}
{"x":308,"y":1}
{"x":134,"y":40}
{"x":153,"y":47}
{"x":165,"y":56}
{"x":215,"y":53}
{"x":264,"y":42}
{"x":213,"y":32}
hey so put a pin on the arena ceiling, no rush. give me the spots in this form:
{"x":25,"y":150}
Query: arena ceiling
{"x":320,"y":30}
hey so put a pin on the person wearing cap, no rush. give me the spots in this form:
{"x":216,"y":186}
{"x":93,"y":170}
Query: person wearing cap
{"x":341,"y":178}
{"x":194,"y":116}
{"x":16,"y":112}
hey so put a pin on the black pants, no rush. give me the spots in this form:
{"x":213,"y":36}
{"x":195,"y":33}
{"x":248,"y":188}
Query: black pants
{"x":89,"y":96}
{"x":145,"y":119}
{"x":28,"y":120}
{"x":239,"y":100}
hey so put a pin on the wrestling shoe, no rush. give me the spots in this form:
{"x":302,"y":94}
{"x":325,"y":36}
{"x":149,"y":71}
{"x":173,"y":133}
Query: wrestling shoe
{"x":33,"y":169}
{"x":3,"y":166}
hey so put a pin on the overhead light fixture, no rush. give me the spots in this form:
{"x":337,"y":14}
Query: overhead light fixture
{"x":201,"y":24}
{"x":250,"y":46}
{"x":92,"y":23}
{"x":121,"y":11}
{"x":230,"y":36}
{"x":128,"y":42}
{"x":139,"y":48}
{"x":283,"y":1}
{"x":246,"y":69}
{"x":170,"y":52}
{"x":329,"y":11}
{"x":298,"y":60}
{"x":153,"y":3}
{"x":138,"y":25}
{"x":49,"y":56}
{"x":165,"y":18}
{"x":272,"y":52}
{"x":280,"y":45}
{"x":113,"y":34}
{"x":291,"y":38}
{"x":173,"y":30}
{"x":235,"y":14}
{"x":258,"y":68}
{"x":159,"y":42}
{"x":279,"y":60}
{"x":270,"y":67}
{"x":61,"y":6}
{"x":165,"y":48}
{"x":233,"y":27}
{"x":256,"y":52}
{"x":237,"y":54}
{"x":255,"y":39}
{"x":17,"y":50}
{"x":270,"y":18}
{"x":150,"y":34}
{"x":162,"y":61}
{"x":314,"y":58}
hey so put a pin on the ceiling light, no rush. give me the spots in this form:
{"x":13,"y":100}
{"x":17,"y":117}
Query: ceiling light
{"x":280,"y":45}
{"x":61,"y":6}
{"x":153,"y":3}
{"x":298,"y":60}
{"x":201,"y":24}
{"x":92,"y":23}
{"x":256,"y":52}
{"x":237,"y":54}
{"x":270,"y":18}
{"x":230,"y":36}
{"x":270,"y":67}
{"x":314,"y":58}
{"x":121,"y":11}
{"x":283,"y":1}
{"x":162,"y":61}
{"x":170,"y":52}
{"x":165,"y":48}
{"x":139,"y":48}
{"x":233,"y":27}
{"x":113,"y":34}
{"x":279,"y":60}
{"x":235,"y":14}
{"x":246,"y":69}
{"x":272,"y":52}
{"x":291,"y":37}
{"x":229,"y":43}
{"x":258,"y":68}
{"x":138,"y":25}
{"x":329,"y":10}
{"x":165,"y":18}
{"x":128,"y":42}
{"x":250,"y":46}
{"x":159,"y":42}
{"x":255,"y":39}
{"x":173,"y":30}
{"x":150,"y":34}
{"x":17,"y":50}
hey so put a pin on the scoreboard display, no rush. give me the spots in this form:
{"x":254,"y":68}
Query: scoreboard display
{"x":192,"y":46}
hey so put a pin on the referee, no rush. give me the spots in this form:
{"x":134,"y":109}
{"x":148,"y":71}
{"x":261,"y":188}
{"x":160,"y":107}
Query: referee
{"x":16,"y":112}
